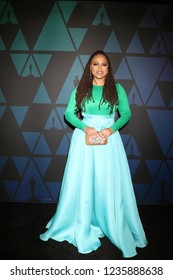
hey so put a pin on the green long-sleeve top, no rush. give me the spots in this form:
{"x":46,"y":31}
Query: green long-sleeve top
{"x":92,"y":107}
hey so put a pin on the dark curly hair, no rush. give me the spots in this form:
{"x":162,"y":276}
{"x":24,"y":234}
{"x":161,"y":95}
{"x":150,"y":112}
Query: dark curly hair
{"x":84,"y":89}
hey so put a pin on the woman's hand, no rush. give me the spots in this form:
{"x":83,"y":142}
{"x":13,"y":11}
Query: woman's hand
{"x":105,"y":133}
{"x":90,"y":131}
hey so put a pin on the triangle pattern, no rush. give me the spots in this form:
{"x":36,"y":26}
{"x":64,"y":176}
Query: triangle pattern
{"x":42,"y":147}
{"x":102,"y":17}
{"x":161,"y":190}
{"x":42,"y":96}
{"x":8,"y":15}
{"x":167,"y":74}
{"x":2,"y":110}
{"x":123,"y":71}
{"x":60,"y":111}
{"x":132,"y":148}
{"x":148,"y":20}
{"x":156,"y":98}
{"x":32,"y":187}
{"x":144,"y":80}
{"x":31,"y":138}
{"x":19,"y":42}
{"x":42,"y":61}
{"x":19,"y":61}
{"x":63,"y":147}
{"x":19,"y":113}
{"x":168,"y":38}
{"x":160,"y":11}
{"x":20,"y":163}
{"x":161,"y":121}
{"x":2,"y":5}
{"x":158,"y":46}
{"x":2,"y":98}
{"x":133,"y":164}
{"x":135,"y":45}
{"x":69,"y":85}
{"x":10,"y":187}
{"x":84,"y":59}
{"x":54,"y":188}
{"x":134,"y":97}
{"x":78,"y":34}
{"x":3,"y":161}
{"x":2,"y":46}
{"x":141,"y":190}
{"x":112,"y":44}
{"x":67,"y":8}
{"x":54,"y":35}
{"x":31,"y":68}
{"x":42,"y":164}
{"x":153,"y":166}
{"x":53,"y":121}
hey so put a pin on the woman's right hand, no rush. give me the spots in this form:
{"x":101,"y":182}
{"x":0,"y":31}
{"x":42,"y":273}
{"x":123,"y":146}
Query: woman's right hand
{"x":90,"y":131}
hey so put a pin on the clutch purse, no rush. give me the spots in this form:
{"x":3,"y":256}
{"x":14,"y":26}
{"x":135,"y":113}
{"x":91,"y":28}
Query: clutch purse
{"x":95,"y":140}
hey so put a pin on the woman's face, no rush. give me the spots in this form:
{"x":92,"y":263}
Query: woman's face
{"x":99,"y":67}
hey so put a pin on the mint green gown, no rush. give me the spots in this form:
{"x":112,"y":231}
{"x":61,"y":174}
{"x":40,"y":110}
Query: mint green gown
{"x":97,"y":197}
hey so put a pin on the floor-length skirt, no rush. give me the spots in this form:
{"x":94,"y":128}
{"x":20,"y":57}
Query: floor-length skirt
{"x":97,"y":197}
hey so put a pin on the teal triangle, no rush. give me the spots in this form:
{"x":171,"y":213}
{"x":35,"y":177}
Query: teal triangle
{"x":19,"y":61}
{"x":63,"y":147}
{"x":153,"y":166}
{"x":75,"y":71}
{"x":112,"y":44}
{"x":148,"y":19}
{"x":2,"y":110}
{"x":10,"y":187}
{"x":135,"y":45}
{"x":8,"y":15}
{"x":53,"y":121}
{"x":158,"y":47}
{"x":78,"y":34}
{"x":167,"y":74}
{"x":134,"y":97}
{"x":123,"y":71}
{"x":31,"y":68}
{"x":42,"y":164}
{"x":67,"y":8}
{"x":42,"y":147}
{"x":19,"y":42}
{"x":61,"y":111}
{"x":162,"y":122}
{"x":32,"y":181}
{"x":54,"y":188}
{"x":42,"y":61}
{"x":133,"y":164}
{"x":84,"y":59}
{"x":54,"y":35}
{"x":20,"y":163}
{"x":2,"y":98}
{"x":19,"y":113}
{"x":102,"y":17}
{"x":3,"y":160}
{"x":42,"y":96}
{"x":2,"y":46}
{"x":31,"y":139}
{"x":156,"y":98}
{"x":142,"y":75}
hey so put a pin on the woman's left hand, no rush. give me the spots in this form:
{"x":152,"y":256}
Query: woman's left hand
{"x":105,"y":133}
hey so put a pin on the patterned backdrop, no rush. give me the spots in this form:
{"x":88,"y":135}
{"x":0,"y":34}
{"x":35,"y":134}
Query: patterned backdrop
{"x":44,"y":46}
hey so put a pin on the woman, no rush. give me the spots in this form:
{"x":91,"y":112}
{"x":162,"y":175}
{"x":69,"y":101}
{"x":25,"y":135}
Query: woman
{"x":97,"y":197}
